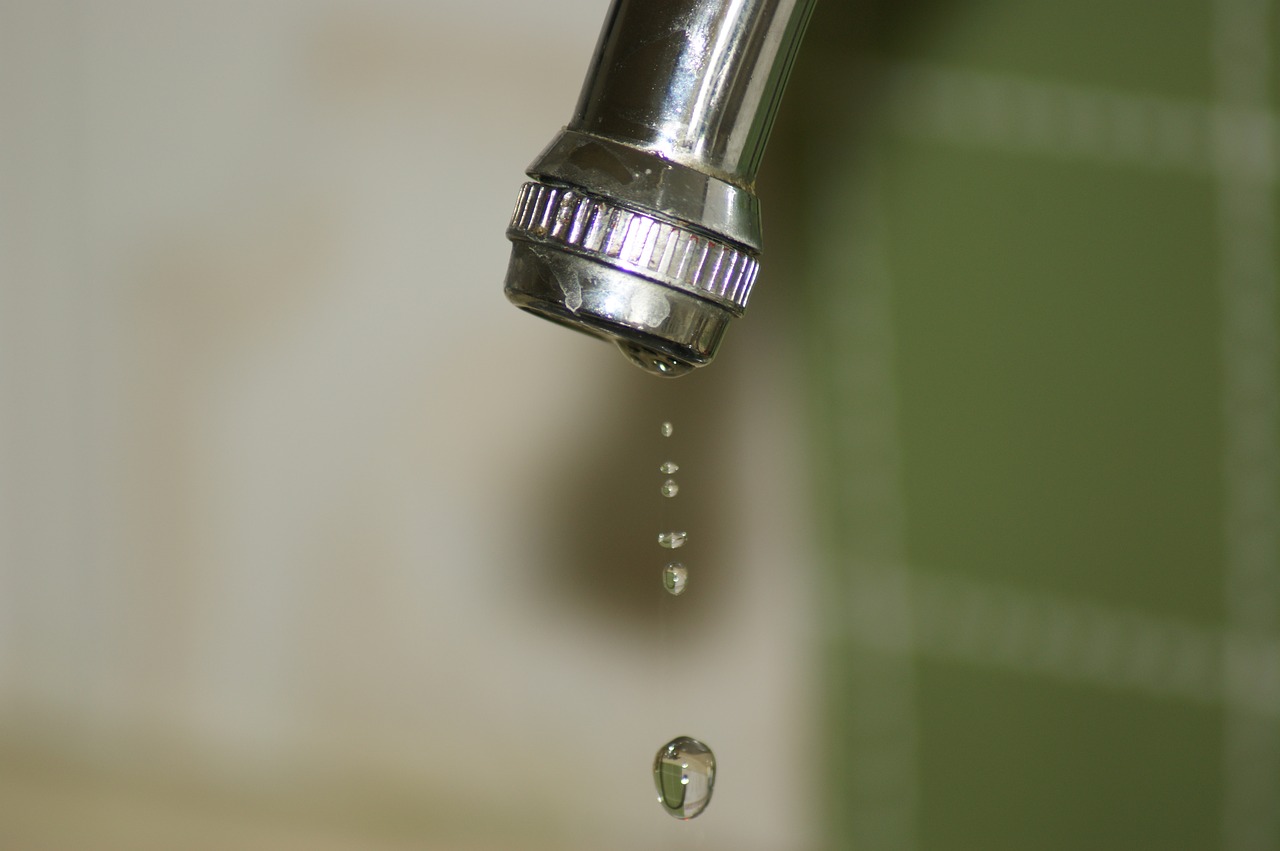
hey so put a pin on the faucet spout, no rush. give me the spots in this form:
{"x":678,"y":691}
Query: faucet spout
{"x":640,"y":224}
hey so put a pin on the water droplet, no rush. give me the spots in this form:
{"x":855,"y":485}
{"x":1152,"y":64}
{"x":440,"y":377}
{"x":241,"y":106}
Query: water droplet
{"x":667,"y":429}
{"x":669,"y":467}
{"x":674,"y":577}
{"x":670,"y":488}
{"x":685,"y":773}
{"x":654,"y":363}
{"x":672,"y":540}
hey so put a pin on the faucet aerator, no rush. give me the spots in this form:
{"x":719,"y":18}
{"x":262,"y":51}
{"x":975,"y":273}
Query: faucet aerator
{"x":640,"y":225}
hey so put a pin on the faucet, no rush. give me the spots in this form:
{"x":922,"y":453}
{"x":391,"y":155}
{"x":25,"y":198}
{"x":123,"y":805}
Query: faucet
{"x":640,"y":224}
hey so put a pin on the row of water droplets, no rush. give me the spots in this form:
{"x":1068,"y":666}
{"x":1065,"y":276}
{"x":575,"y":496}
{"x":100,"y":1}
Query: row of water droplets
{"x":674,"y":576}
{"x":684,"y":769}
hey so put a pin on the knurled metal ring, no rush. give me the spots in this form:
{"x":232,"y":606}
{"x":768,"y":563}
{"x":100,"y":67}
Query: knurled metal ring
{"x":601,"y":230}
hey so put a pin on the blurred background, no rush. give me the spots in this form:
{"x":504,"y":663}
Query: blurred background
{"x":309,"y":540}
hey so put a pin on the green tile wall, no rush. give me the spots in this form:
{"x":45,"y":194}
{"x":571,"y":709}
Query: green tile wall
{"x":1036,"y":282}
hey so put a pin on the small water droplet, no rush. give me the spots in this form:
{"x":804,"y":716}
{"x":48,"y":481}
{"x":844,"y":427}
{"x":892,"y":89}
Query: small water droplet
{"x":685,"y":773}
{"x":674,"y":577}
{"x":672,"y":540}
{"x":667,"y":429}
{"x":669,"y":467}
{"x":670,"y":488}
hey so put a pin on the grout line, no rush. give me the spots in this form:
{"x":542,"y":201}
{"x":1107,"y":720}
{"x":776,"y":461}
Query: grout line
{"x":1010,"y":113}
{"x":998,"y":626}
{"x":976,"y":623}
{"x":878,"y":700}
{"x":1244,"y":160}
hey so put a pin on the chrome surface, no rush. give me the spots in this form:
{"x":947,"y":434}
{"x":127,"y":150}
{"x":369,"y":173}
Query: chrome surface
{"x":600,"y":230}
{"x":663,"y":330}
{"x":695,"y":81}
{"x":639,"y":179}
{"x":641,"y":225}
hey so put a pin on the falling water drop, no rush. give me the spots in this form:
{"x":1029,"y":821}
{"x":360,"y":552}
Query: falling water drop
{"x":685,"y":773}
{"x":667,"y":429}
{"x":674,"y":577}
{"x":670,"y":488}
{"x":669,"y":467}
{"x":672,"y":540}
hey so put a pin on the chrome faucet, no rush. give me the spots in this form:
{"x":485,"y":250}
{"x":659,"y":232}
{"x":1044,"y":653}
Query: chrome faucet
{"x":641,"y":224}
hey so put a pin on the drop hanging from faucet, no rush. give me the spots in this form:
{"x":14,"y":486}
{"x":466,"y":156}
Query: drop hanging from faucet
{"x":640,"y":224}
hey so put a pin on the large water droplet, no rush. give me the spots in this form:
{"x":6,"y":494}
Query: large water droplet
{"x":667,"y":429}
{"x":685,"y":773}
{"x":669,"y":467}
{"x":672,"y":540}
{"x":654,"y":362}
{"x":674,"y":577}
{"x":670,"y":488}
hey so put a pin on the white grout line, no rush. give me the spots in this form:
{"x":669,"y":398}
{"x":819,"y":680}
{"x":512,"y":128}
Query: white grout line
{"x":1076,"y":641}
{"x":1244,"y":156}
{"x":884,"y":774}
{"x":1063,"y":121}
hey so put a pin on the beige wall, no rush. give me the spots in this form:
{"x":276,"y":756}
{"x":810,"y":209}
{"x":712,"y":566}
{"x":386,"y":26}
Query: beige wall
{"x":287,"y":485}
